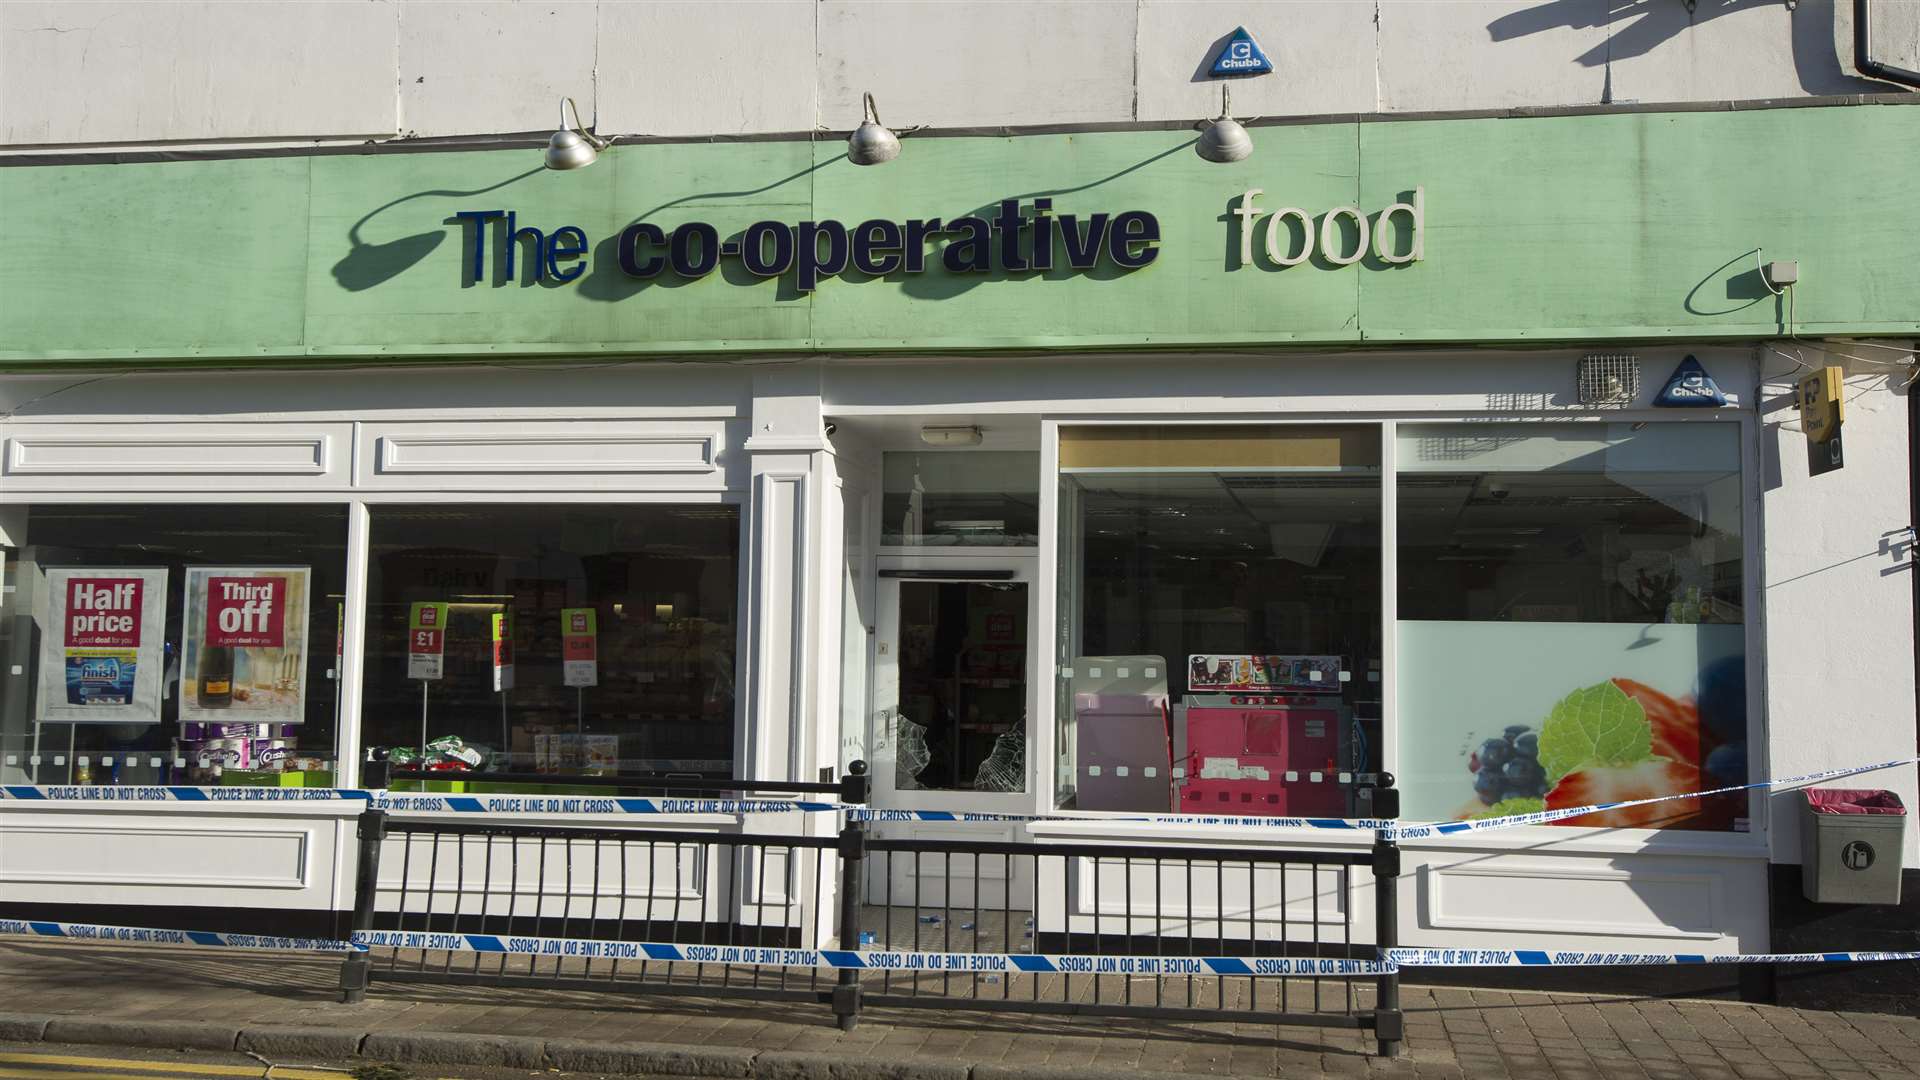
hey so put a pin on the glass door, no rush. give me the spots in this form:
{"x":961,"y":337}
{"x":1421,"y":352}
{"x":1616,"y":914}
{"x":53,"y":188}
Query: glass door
{"x":952,"y":688}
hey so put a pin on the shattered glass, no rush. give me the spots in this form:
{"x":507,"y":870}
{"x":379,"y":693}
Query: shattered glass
{"x":1006,"y":768}
{"x":911,"y":753}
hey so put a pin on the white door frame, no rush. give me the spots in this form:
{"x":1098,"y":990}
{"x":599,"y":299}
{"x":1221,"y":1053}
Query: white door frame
{"x":886,"y":677}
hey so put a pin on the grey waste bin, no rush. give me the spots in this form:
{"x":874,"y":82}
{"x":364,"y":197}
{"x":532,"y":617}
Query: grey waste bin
{"x":1850,"y":845}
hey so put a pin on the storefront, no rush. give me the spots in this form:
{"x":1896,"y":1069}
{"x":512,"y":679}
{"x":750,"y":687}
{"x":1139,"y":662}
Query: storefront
{"x":1065,"y":475}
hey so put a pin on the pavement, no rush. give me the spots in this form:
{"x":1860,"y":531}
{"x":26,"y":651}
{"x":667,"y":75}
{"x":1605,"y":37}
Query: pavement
{"x":285,"y":1009}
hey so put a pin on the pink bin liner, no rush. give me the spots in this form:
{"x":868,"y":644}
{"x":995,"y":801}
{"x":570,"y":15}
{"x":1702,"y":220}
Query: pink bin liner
{"x":1854,"y":801}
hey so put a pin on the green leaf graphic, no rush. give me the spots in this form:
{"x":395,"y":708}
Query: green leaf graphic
{"x":1511,"y":807}
{"x":1599,"y":726}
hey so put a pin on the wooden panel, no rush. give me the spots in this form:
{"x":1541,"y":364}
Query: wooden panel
{"x":95,"y":457}
{"x":674,"y":455}
{"x":1575,"y":897}
{"x":109,"y":859}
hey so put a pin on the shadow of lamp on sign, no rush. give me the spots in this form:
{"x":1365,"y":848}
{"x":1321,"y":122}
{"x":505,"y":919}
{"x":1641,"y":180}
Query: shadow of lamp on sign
{"x":366,"y":265}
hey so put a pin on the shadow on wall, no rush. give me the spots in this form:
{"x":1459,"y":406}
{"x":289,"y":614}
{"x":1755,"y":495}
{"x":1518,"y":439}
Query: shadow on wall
{"x":1637,"y":27}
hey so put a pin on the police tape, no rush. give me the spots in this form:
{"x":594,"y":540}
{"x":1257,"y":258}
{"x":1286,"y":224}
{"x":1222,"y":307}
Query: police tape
{"x":1353,"y":825}
{"x":407,"y":801}
{"x":1547,"y":817}
{"x":889,"y":960}
{"x":562,"y":949}
{"x":1389,"y":829}
{"x":139,"y":935}
{"x":541,"y":804}
{"x":150,"y":793}
{"x":1543,"y":958}
{"x":589,"y":804}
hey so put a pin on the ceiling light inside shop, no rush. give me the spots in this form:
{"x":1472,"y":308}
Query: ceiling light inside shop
{"x":950,"y":436}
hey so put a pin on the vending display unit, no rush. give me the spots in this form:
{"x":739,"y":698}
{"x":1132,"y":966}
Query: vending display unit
{"x":1267,"y":742}
{"x":1262,"y":754}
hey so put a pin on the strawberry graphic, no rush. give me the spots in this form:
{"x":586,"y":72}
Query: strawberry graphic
{"x":1676,"y":724}
{"x":1624,"y":783}
{"x":1646,"y":780}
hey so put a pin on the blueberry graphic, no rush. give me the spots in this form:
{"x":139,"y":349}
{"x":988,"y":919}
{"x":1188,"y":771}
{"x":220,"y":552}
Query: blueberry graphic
{"x":1515,"y":731}
{"x":1523,"y":772}
{"x":1495,"y":753}
{"x":1722,"y":692}
{"x":1728,"y":764}
{"x":1488,"y":785}
{"x":1527,"y":745}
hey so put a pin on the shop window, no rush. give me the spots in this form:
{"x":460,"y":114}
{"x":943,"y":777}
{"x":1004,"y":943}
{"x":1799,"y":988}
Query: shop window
{"x":170,"y":644}
{"x":1570,"y":604}
{"x":960,"y":498}
{"x":557,"y":640}
{"x":1219,"y":597}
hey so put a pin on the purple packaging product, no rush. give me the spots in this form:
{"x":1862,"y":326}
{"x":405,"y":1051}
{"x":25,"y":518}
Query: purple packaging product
{"x":231,"y":731}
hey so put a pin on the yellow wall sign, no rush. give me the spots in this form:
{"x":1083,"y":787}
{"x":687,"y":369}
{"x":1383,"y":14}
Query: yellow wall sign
{"x":1821,"y":398}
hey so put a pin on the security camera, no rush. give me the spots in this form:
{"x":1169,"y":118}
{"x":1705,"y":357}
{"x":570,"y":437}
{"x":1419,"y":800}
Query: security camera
{"x":1497,"y":490}
{"x":831,"y":428}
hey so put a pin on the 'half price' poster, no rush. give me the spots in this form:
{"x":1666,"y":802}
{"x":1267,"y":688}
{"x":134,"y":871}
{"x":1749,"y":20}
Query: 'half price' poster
{"x":102,"y":652}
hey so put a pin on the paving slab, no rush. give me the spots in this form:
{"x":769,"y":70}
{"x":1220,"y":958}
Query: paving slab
{"x":287,"y":1007}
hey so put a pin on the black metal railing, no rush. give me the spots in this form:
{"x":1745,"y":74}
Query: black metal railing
{"x":747,"y":914}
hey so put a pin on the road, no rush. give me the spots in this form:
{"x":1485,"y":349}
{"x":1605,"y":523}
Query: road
{"x":44,"y":1061}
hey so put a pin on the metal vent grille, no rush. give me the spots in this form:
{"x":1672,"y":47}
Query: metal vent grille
{"x":1609,"y":378}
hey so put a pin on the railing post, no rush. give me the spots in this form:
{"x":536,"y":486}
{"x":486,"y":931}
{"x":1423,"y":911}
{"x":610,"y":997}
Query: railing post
{"x":373,"y":771}
{"x":856,"y":787}
{"x":853,"y":851}
{"x":356,"y":970}
{"x":1389,"y":1022}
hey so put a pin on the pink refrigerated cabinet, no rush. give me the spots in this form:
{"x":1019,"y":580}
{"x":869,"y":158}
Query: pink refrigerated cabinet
{"x":1262,"y":755}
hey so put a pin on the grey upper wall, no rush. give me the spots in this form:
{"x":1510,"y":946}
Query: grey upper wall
{"x":106,"y":74}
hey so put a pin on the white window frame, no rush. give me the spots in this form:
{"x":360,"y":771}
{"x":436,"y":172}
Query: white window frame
{"x":1752,"y":844}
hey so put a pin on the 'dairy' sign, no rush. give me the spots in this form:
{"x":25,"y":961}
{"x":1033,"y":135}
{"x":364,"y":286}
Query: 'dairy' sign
{"x":102,"y":661}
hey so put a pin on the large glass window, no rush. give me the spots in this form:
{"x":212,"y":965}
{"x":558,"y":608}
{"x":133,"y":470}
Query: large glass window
{"x":960,"y":498}
{"x":565,"y":640}
{"x":1219,"y":646}
{"x":170,"y":644}
{"x":1570,"y":620}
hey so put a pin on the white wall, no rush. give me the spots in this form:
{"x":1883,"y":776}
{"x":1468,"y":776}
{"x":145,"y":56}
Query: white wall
{"x":116,"y":73}
{"x":1838,"y":592}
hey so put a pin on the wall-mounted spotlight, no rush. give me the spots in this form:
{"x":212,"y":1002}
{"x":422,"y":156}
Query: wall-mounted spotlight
{"x":572,"y":147}
{"x":871,"y":143}
{"x":1224,"y":140}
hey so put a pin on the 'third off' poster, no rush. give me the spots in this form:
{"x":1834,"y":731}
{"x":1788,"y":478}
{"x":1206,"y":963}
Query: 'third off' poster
{"x":246,"y":645}
{"x":102,"y":652}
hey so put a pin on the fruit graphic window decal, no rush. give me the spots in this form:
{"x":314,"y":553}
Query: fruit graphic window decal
{"x":1570,"y":621}
{"x":1615,"y":741}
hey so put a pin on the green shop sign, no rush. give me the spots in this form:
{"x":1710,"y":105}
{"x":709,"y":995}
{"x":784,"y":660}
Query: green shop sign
{"x":1549,"y":229}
